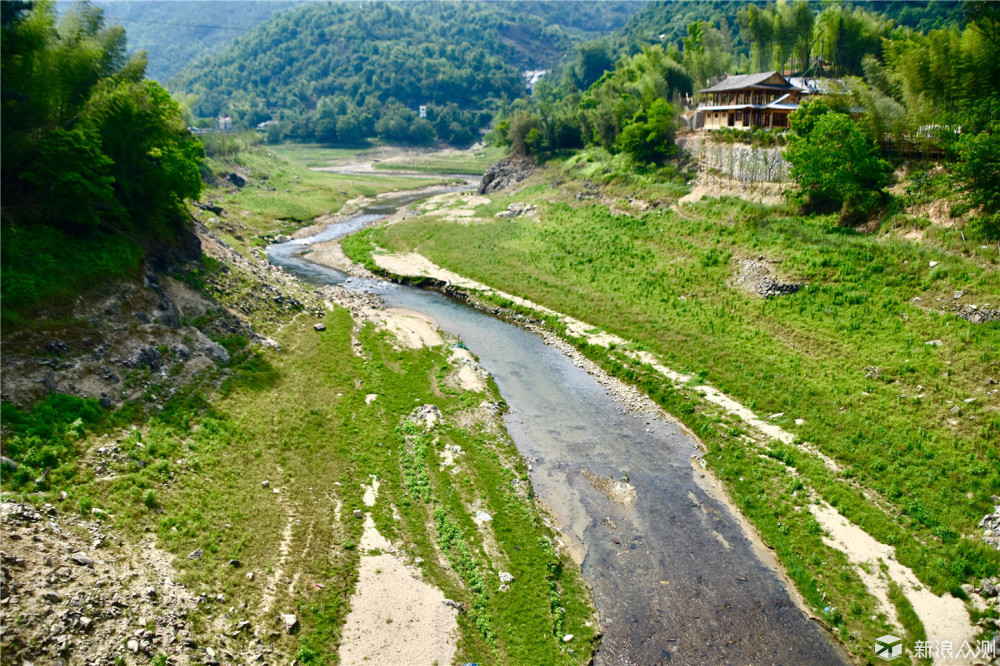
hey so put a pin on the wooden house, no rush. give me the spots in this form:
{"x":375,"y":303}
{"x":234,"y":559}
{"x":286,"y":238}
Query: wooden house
{"x":746,"y":101}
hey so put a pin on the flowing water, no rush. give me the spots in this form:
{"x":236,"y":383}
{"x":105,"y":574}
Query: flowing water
{"x":674,"y":578}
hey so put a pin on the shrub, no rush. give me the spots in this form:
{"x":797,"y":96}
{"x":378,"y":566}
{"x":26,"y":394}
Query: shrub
{"x":978,"y":174}
{"x":837,"y":168}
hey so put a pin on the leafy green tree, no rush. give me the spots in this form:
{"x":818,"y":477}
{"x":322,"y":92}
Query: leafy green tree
{"x":978,"y":175}
{"x":846,"y":36}
{"x":837,"y":167}
{"x":757,"y":28}
{"x":523,"y":133}
{"x":948,"y":76}
{"x":593,"y":60}
{"x":707,"y":53}
{"x":650,"y":135}
{"x":634,"y":86}
{"x":71,"y":173}
{"x":87,"y":142}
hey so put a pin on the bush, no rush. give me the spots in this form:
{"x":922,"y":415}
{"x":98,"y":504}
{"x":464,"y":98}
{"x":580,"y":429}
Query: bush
{"x":978,"y":168}
{"x":837,"y":168}
{"x":650,"y":135}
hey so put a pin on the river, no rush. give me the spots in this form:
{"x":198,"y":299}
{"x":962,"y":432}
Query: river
{"x":675,"y":578}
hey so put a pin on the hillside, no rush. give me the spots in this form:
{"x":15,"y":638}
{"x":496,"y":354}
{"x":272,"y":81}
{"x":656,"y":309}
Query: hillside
{"x":342,"y":72}
{"x":176,"y":32}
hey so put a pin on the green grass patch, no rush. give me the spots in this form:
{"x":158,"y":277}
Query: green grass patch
{"x":472,"y":163}
{"x":45,"y":266}
{"x":662,"y":279}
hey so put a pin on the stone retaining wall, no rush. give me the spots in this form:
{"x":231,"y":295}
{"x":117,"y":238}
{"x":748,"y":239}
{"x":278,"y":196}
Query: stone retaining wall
{"x":748,"y":164}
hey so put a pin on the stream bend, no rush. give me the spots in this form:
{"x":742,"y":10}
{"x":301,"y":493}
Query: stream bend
{"x":675,"y":578}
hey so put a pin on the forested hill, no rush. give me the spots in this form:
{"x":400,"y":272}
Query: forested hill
{"x":175,"y":32}
{"x":343,"y":72}
{"x":666,"y":21}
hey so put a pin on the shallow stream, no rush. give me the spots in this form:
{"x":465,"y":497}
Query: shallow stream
{"x":675,"y":579}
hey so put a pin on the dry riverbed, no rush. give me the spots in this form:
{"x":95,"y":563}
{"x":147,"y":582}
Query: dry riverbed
{"x":944,"y":617}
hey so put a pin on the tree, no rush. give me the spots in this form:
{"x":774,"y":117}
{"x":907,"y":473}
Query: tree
{"x":86,"y":141}
{"x":637,"y":82}
{"x":757,"y":28}
{"x":837,"y":167}
{"x":650,"y":135}
{"x":593,"y":60}
{"x":707,"y":53}
{"x":978,"y":175}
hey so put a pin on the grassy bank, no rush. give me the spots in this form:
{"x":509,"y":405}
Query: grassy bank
{"x":282,"y":194}
{"x":262,"y":462}
{"x":843,"y":364}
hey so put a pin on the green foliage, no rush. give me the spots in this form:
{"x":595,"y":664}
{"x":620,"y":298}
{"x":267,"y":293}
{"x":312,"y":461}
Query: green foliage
{"x":707,"y":53}
{"x":847,"y":34}
{"x":777,"y":32}
{"x":44,"y":264}
{"x":43,"y":441}
{"x":978,"y":168}
{"x":650,"y":135}
{"x":837,"y":167}
{"x":86,"y":142}
{"x":978,"y":175}
{"x":69,"y":169}
{"x":947,"y":77}
{"x":626,"y":111}
{"x":632,"y":88}
{"x":413,"y":459}
{"x":344,"y":72}
{"x":451,"y":539}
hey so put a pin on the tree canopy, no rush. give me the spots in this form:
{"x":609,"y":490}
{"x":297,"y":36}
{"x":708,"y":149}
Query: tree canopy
{"x":87,"y":143}
{"x":835,"y":164}
{"x":343,"y":72}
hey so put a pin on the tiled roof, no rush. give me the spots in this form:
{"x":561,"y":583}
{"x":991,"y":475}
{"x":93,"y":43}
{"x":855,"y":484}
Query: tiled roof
{"x":740,"y":81}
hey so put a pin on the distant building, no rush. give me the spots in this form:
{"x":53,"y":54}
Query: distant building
{"x":225,"y":123}
{"x":262,"y":127}
{"x":746,"y":101}
{"x":423,"y":111}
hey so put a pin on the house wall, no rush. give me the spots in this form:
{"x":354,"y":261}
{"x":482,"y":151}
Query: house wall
{"x":720,"y":119}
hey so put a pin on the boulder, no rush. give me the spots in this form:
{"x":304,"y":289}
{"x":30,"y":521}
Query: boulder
{"x":216,"y":352}
{"x":506,"y":173}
